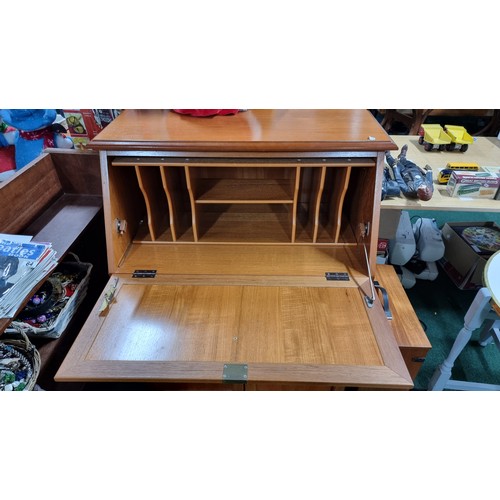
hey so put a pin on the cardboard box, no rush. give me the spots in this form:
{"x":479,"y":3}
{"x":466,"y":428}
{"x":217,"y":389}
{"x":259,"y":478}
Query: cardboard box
{"x":493,"y":170}
{"x":468,"y":246}
{"x":464,"y":184}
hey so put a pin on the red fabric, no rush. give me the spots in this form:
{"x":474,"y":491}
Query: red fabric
{"x":206,"y":112}
{"x":7,"y":159}
{"x":44,"y":133}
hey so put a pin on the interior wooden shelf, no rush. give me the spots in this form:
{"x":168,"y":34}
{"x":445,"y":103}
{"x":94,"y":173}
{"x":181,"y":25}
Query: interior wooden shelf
{"x":270,"y":227}
{"x":244,"y":191}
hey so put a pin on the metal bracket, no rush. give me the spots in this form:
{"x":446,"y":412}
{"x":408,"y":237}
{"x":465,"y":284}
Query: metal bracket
{"x":109,"y":296}
{"x":121,"y":226}
{"x":144,"y":273}
{"x":385,"y":298}
{"x":235,"y":374}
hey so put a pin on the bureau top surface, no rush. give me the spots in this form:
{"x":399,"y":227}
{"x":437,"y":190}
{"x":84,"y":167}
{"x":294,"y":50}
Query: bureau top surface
{"x":256,"y":130}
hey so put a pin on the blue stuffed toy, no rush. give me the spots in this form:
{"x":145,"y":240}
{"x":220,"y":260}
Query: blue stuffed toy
{"x":36,"y":131}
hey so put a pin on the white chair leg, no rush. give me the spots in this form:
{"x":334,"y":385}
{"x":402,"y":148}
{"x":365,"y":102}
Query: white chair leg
{"x":473,"y":319}
{"x":442,"y":373}
{"x":487,"y":333}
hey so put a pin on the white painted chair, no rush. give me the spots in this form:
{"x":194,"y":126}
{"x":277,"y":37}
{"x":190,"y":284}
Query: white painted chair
{"x":484,"y":310}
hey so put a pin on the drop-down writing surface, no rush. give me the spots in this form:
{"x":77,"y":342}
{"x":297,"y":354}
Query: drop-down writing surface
{"x":289,"y":329}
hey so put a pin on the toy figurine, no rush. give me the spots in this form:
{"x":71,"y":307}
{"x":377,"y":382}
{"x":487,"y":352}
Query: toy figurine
{"x":389,"y":186}
{"x":35,"y":131}
{"x":413,"y":181}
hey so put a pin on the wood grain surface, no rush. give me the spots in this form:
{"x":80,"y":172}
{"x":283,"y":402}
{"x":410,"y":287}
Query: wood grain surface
{"x":252,"y":130}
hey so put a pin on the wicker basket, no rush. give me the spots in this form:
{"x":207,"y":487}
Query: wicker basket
{"x":19,"y":364}
{"x":60,"y":305}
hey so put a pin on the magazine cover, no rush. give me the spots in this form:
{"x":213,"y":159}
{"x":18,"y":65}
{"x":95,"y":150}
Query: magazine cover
{"x":17,"y":260}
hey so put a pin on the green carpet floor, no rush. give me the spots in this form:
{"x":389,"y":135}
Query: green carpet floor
{"x":441,"y":307}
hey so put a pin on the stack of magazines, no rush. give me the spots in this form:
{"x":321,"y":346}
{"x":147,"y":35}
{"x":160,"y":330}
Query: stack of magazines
{"x":23,"y":264}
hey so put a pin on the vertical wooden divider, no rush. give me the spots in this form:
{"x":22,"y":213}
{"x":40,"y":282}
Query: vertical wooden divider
{"x":194,"y":207}
{"x":342,"y":176}
{"x":295,"y":202}
{"x":317,"y":205}
{"x":155,"y":200}
{"x":171,"y":209}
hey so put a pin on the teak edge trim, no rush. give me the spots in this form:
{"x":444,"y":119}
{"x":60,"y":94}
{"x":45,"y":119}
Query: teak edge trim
{"x":261,"y":146}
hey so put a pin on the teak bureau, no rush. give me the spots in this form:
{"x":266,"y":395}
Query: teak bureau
{"x":241,"y":250}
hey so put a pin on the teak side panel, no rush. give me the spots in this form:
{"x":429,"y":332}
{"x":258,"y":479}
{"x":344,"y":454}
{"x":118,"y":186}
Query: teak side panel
{"x":123,"y":201}
{"x":410,"y":336}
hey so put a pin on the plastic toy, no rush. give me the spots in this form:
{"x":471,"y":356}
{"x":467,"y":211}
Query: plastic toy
{"x":35,"y":130}
{"x":448,"y":138}
{"x":390,"y":187}
{"x":413,"y":181}
{"x":433,"y":135}
{"x":444,"y":175}
{"x":459,"y":136}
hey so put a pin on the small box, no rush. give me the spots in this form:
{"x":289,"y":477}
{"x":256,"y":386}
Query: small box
{"x":468,"y":246}
{"x":473,"y":185}
{"x":493,"y":170}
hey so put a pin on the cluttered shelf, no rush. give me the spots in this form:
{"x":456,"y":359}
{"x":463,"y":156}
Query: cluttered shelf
{"x":65,"y":212}
{"x":485,"y":151}
{"x":60,"y":208}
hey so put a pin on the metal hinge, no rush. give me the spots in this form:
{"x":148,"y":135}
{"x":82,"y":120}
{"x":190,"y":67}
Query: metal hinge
{"x":121,"y":226}
{"x":235,"y":374}
{"x":144,"y":273}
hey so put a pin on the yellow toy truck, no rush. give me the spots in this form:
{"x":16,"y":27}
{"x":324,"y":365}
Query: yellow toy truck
{"x":433,"y":135}
{"x":459,"y":137}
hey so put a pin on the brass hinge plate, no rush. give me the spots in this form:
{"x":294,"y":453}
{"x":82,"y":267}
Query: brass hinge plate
{"x":233,"y":373}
